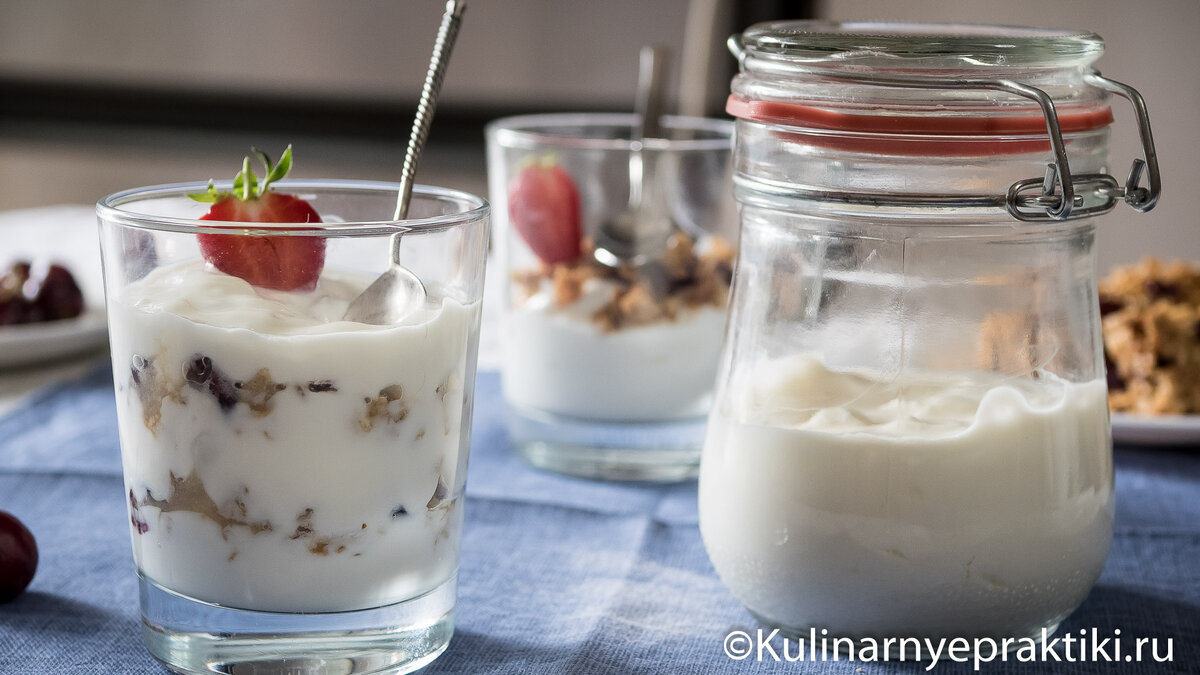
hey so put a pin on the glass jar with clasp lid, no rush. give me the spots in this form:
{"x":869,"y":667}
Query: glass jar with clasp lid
{"x":910,"y":436}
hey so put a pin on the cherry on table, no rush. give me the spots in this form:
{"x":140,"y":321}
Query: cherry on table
{"x":18,"y":557}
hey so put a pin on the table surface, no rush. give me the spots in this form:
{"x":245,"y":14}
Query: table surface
{"x":557,"y":575}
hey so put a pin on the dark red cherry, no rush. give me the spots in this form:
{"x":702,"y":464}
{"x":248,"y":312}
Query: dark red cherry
{"x":18,"y":557}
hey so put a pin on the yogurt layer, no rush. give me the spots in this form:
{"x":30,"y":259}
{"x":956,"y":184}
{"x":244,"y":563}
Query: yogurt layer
{"x":559,"y":361}
{"x":925,"y":505}
{"x":280,"y":459}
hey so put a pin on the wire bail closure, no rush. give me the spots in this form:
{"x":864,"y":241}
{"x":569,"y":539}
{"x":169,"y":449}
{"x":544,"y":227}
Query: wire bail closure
{"x":1059,"y":194}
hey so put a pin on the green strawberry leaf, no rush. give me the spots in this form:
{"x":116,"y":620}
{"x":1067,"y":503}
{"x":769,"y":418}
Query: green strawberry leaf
{"x":209,"y":196}
{"x":262,"y":157}
{"x":246,"y":184}
{"x":278,"y":171}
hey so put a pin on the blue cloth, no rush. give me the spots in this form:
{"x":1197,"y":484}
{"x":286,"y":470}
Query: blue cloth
{"x":558,"y":575}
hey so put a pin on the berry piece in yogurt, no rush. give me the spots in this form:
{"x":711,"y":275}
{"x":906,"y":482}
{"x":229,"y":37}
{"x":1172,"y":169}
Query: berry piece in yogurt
{"x":283,"y":263}
{"x":543,"y":206}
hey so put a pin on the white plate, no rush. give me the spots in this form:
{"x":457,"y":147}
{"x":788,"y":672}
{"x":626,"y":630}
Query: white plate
{"x":1163,"y":430}
{"x":59,"y":234}
{"x":39,"y":342}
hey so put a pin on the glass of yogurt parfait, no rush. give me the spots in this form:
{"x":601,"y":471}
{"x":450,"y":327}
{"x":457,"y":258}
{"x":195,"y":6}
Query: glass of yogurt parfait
{"x":294,"y":479}
{"x":609,"y":366}
{"x":910,"y":437}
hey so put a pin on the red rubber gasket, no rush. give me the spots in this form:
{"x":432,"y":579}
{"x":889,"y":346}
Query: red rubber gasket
{"x":973,"y":132}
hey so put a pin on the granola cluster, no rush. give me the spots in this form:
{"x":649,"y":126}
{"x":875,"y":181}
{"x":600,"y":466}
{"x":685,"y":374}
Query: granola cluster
{"x":684,"y":279}
{"x":1151,"y":323}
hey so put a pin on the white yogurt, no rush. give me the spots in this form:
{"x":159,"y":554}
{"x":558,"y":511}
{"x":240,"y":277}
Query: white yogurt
{"x":557,"y":360}
{"x":330,"y":481}
{"x":957,"y":505}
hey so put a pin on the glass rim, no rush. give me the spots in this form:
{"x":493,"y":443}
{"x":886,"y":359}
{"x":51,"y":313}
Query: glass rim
{"x":109,"y":209}
{"x":538,"y":130}
{"x":896,"y":44}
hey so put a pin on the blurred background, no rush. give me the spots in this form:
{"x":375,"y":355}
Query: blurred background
{"x":98,"y":97}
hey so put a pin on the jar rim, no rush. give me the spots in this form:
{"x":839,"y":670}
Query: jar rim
{"x":899,"y":45}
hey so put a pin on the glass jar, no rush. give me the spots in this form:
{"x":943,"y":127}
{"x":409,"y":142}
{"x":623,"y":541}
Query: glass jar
{"x":910,"y":436}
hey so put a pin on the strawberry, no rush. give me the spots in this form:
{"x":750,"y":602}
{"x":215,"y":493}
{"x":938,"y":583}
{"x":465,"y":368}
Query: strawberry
{"x":283,"y":263}
{"x":543,"y":206}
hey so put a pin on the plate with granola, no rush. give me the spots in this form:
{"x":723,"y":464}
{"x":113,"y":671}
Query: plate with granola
{"x":1150,"y":318}
{"x":51,"y":286}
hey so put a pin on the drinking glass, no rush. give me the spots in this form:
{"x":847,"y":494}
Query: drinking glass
{"x":609,"y":369}
{"x":294,"y":480}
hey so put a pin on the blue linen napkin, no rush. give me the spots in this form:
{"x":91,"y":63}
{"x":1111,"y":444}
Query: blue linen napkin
{"x":558,"y":575}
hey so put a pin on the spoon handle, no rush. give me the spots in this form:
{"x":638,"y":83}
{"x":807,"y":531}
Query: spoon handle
{"x":651,"y":93}
{"x":447,"y":32}
{"x":649,"y":104}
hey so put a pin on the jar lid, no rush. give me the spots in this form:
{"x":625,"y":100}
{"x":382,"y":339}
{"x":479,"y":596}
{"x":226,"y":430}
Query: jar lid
{"x":915,"y":45}
{"x":842,"y":77}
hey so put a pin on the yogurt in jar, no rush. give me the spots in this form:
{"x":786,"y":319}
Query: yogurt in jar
{"x":280,"y":459}
{"x":962,"y":504}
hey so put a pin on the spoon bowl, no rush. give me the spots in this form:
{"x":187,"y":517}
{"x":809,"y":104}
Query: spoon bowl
{"x":392,"y":296}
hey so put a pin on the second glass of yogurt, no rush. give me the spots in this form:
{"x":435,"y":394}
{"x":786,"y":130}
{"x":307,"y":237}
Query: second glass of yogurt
{"x":609,"y":368}
{"x":294,"y":479}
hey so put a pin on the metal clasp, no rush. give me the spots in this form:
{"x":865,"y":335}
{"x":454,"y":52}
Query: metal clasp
{"x":1101,"y":186}
{"x":1062,"y":194}
{"x":1140,"y":198}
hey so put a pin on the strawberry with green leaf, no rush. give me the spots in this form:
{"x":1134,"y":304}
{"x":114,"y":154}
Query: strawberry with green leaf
{"x":284,"y":263}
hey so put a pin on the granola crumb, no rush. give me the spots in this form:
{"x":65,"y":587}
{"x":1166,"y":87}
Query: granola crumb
{"x":568,"y":282}
{"x":680,"y":258}
{"x":388,"y":406}
{"x":529,"y":282}
{"x":258,"y":391}
{"x":637,"y":306}
{"x":153,"y":387}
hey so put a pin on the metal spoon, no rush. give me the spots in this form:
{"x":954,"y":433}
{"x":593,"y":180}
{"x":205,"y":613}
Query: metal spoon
{"x":639,"y":234}
{"x":397,"y":291}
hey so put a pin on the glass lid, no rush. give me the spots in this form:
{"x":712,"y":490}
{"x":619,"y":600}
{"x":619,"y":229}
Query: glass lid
{"x":908,"y":45}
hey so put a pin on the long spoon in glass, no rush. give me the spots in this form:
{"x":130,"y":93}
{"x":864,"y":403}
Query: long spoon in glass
{"x":397,"y":292}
